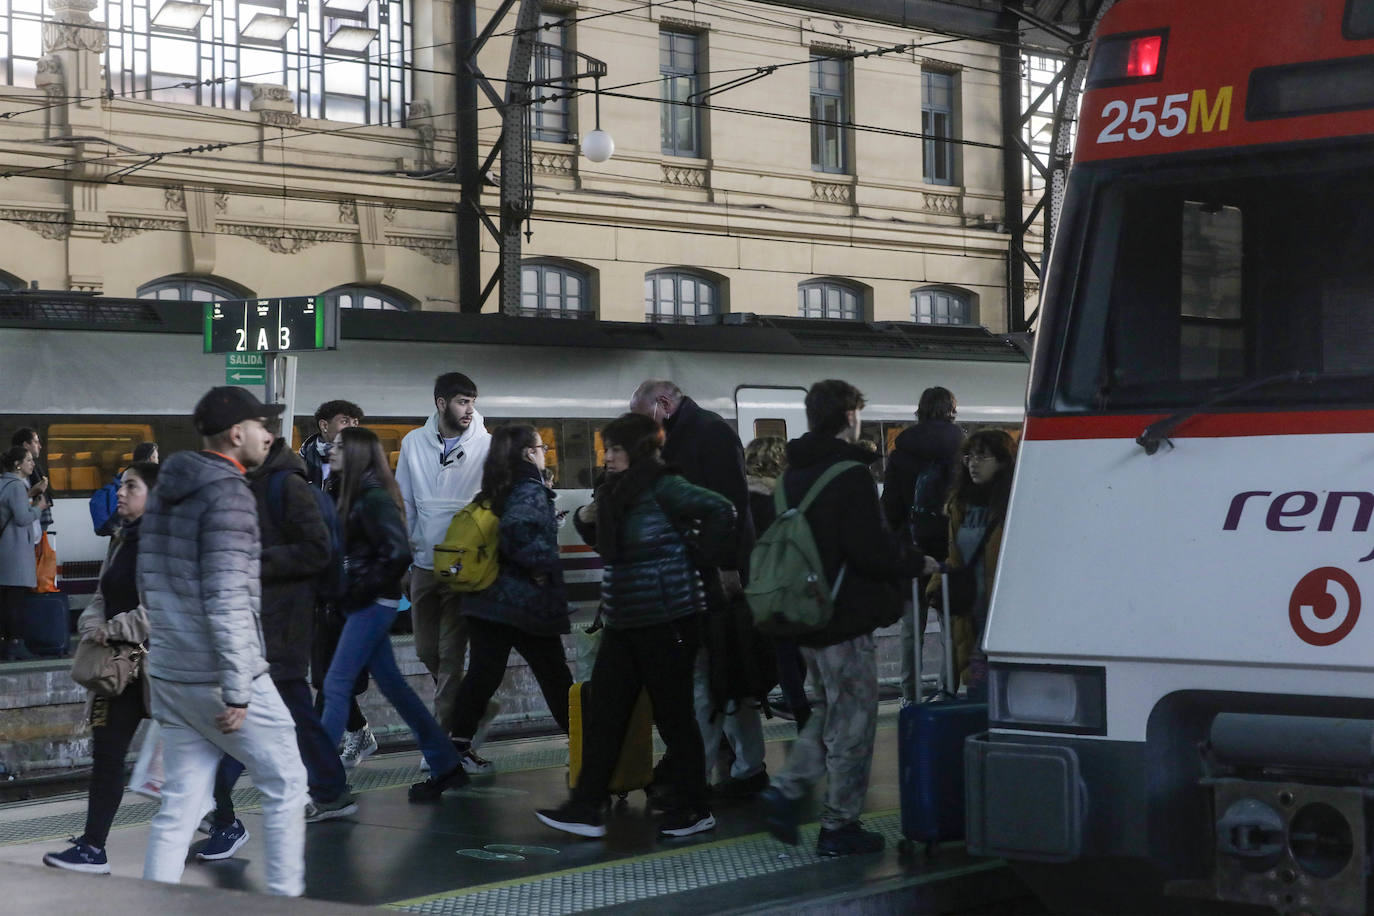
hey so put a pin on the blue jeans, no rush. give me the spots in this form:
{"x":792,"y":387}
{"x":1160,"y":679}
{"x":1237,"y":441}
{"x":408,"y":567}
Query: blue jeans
{"x":366,"y":642}
{"x":325,"y":771}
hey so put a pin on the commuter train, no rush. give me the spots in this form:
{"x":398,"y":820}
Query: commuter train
{"x":97,"y":376}
{"x":1182,"y":684}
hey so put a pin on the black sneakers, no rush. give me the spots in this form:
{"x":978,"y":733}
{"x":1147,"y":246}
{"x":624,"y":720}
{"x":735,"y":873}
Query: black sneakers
{"x":685,"y":822}
{"x":81,"y":856}
{"x":435,"y":786}
{"x":748,"y":787}
{"x":851,"y":839}
{"x":782,"y":814}
{"x":574,"y":817}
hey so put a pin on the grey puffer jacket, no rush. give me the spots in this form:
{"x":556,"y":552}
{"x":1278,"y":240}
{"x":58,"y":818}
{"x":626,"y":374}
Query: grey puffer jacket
{"x":198,"y":576}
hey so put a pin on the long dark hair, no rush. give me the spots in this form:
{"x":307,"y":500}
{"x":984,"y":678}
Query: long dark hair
{"x":12,"y":458}
{"x":996,"y":493}
{"x":504,"y":458}
{"x":146,"y":471}
{"x":365,"y":465}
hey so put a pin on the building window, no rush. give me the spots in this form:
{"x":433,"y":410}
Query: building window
{"x":345,"y":60}
{"x":11,"y":282}
{"x":373,"y":298}
{"x":679,"y":59}
{"x":679,"y":296}
{"x":829,"y":299}
{"x":829,"y":114}
{"x":554,"y":291}
{"x":937,"y":123}
{"x":21,"y":41}
{"x":936,"y":305}
{"x":192,"y":289}
{"x":550,"y":119}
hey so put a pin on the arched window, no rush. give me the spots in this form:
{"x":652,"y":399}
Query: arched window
{"x":376,"y":298}
{"x":679,"y":296}
{"x":830,"y":299}
{"x":550,"y":289}
{"x":942,"y":305}
{"x":193,"y":289}
{"x":10,"y":281}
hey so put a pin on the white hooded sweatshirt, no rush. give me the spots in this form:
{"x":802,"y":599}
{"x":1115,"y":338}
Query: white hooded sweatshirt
{"x":434,"y":488}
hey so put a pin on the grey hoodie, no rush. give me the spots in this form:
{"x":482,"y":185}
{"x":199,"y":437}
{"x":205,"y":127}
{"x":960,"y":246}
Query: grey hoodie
{"x":198,"y":576}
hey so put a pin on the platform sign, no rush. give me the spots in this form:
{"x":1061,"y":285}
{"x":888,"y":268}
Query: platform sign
{"x":271,"y":325}
{"x":245,"y":368}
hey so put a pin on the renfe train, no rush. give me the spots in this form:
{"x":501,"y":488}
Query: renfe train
{"x":1182,"y":678}
{"x":96,"y":376}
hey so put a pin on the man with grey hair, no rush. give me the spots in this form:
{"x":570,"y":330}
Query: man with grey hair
{"x":199,"y":580}
{"x":708,"y":452}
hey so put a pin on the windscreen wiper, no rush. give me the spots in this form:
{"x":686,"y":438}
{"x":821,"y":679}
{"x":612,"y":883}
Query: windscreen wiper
{"x":1157,"y":433}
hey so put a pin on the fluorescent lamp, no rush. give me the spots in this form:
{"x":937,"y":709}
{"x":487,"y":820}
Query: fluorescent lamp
{"x":266,"y":27}
{"x":178,"y":14}
{"x":345,"y":6}
{"x":351,"y":38}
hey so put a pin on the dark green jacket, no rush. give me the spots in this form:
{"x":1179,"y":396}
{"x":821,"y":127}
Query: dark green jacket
{"x":657,"y":580}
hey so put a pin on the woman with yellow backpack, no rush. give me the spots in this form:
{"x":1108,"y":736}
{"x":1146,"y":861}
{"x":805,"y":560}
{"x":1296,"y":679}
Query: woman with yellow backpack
{"x":524,"y":608}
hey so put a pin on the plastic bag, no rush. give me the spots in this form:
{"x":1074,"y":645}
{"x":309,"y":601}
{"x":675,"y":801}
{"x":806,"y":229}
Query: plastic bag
{"x":45,"y":556}
{"x":148,"y":775}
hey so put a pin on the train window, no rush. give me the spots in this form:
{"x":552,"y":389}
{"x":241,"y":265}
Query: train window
{"x":83,"y":457}
{"x":1216,"y":278}
{"x":391,"y":435}
{"x":764,"y":429}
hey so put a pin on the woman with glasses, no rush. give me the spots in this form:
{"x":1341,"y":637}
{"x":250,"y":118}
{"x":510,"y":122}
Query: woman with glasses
{"x":376,"y":555}
{"x":525,"y":609}
{"x":977,"y":510}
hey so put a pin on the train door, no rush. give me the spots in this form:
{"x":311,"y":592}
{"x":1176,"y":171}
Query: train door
{"x":769,"y":410}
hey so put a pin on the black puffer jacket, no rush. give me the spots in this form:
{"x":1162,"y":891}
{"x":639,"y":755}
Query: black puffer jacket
{"x":848,"y":525}
{"x":293,"y":555}
{"x":655,"y":580}
{"x":377,"y":548}
{"x":528,"y":592}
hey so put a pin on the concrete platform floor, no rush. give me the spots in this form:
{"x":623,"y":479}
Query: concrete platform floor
{"x":480,"y":850}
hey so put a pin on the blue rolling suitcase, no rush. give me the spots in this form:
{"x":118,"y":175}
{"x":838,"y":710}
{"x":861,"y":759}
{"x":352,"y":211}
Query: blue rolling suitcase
{"x":44,"y":623}
{"x":930,"y":750}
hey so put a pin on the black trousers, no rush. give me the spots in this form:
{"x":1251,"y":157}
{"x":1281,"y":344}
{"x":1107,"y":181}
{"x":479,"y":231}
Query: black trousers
{"x":12,"y":598}
{"x":658,"y":659}
{"x":114,"y":721}
{"x":489,"y":647}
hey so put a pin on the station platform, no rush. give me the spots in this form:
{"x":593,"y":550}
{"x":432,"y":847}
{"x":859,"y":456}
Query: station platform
{"x":481,"y":850}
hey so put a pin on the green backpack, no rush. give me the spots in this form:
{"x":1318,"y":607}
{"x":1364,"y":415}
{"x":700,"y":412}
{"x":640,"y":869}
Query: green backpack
{"x":787,"y":590}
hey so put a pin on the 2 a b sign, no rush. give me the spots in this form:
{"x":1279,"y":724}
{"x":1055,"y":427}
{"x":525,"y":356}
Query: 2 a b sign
{"x":271,"y":325}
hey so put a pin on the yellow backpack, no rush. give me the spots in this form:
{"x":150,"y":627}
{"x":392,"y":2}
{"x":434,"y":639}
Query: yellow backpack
{"x":467,"y":559}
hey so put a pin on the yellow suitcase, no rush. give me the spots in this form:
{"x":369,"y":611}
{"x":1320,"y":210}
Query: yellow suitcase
{"x":635,"y":768}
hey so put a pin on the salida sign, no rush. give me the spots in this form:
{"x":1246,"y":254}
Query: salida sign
{"x":1325,"y":604}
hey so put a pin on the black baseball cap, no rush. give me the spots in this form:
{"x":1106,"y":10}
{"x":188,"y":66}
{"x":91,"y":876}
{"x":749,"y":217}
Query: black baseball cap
{"x":222,"y":407}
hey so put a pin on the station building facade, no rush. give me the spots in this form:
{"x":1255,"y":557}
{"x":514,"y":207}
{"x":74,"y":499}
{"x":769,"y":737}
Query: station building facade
{"x":259,"y":148}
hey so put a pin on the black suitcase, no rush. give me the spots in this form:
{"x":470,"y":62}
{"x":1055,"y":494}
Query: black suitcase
{"x":930,"y":749}
{"x":44,"y":623}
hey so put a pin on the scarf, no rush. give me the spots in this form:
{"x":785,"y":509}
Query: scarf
{"x":614,"y":499}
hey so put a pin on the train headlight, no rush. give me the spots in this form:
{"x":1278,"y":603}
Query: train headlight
{"x":1048,"y":698}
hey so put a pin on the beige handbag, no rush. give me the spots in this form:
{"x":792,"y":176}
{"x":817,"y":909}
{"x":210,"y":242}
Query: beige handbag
{"x":106,"y":669}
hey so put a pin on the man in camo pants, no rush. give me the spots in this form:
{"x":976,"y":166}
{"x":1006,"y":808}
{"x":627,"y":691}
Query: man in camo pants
{"x":851,"y":535}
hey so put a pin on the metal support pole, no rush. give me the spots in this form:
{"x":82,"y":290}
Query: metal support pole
{"x":1010,"y":72}
{"x":469,"y":215}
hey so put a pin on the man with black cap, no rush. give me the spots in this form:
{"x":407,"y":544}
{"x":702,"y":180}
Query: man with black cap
{"x":198,"y":574}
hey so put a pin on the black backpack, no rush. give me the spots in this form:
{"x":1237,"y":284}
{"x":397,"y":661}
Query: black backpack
{"x":926,"y":521}
{"x":330,"y":585}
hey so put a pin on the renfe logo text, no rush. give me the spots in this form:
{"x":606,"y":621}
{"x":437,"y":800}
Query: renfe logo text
{"x":1297,"y":510}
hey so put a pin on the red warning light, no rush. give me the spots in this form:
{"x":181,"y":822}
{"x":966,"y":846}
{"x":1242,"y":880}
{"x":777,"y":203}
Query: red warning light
{"x":1142,"y":59}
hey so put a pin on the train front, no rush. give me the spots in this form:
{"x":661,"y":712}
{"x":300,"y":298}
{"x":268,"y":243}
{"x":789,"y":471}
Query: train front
{"x":1182,"y":688}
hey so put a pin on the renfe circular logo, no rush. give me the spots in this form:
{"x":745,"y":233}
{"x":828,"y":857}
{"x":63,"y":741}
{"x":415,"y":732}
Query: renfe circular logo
{"x":1325,"y":606}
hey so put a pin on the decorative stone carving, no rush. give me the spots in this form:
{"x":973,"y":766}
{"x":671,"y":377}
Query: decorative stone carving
{"x":221,"y":202}
{"x":123,"y":227}
{"x":548,"y":162}
{"x":280,"y":118}
{"x":684,"y":176}
{"x":440,"y":251}
{"x":50,"y":224}
{"x":389,"y":213}
{"x":285,"y":240}
{"x":831,"y":192}
{"x":275,"y":105}
{"x":72,"y":29}
{"x":348,"y":211}
{"x":943,"y":204}
{"x":174,"y":198}
{"x":49,"y":77}
{"x":421,"y":118}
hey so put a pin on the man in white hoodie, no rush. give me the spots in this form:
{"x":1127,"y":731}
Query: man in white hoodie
{"x":439,"y":471}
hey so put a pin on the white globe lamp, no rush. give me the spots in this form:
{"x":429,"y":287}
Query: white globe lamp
{"x":598,"y":146}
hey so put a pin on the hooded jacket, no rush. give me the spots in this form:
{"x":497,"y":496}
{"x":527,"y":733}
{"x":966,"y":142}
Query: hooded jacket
{"x":847,"y":522}
{"x":198,"y":575}
{"x":433,"y":488}
{"x":528,"y":593}
{"x":314,"y":461}
{"x":293,"y":555}
{"x":928,"y":443}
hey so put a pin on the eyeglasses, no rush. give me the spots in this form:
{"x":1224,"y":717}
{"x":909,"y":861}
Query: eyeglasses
{"x":977,"y":459}
{"x":543,"y":446}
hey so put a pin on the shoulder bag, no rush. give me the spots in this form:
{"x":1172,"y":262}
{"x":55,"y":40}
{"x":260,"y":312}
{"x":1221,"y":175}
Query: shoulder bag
{"x":107,"y":670}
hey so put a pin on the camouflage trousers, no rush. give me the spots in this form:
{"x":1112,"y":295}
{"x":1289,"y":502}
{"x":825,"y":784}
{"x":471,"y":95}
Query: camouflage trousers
{"x":837,"y":741}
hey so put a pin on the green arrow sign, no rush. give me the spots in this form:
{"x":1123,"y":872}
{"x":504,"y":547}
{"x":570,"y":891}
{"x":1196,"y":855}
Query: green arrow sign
{"x":245,"y":368}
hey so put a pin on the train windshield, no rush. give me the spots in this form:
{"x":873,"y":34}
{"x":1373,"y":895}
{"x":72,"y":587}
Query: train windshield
{"x":1203,"y":279}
